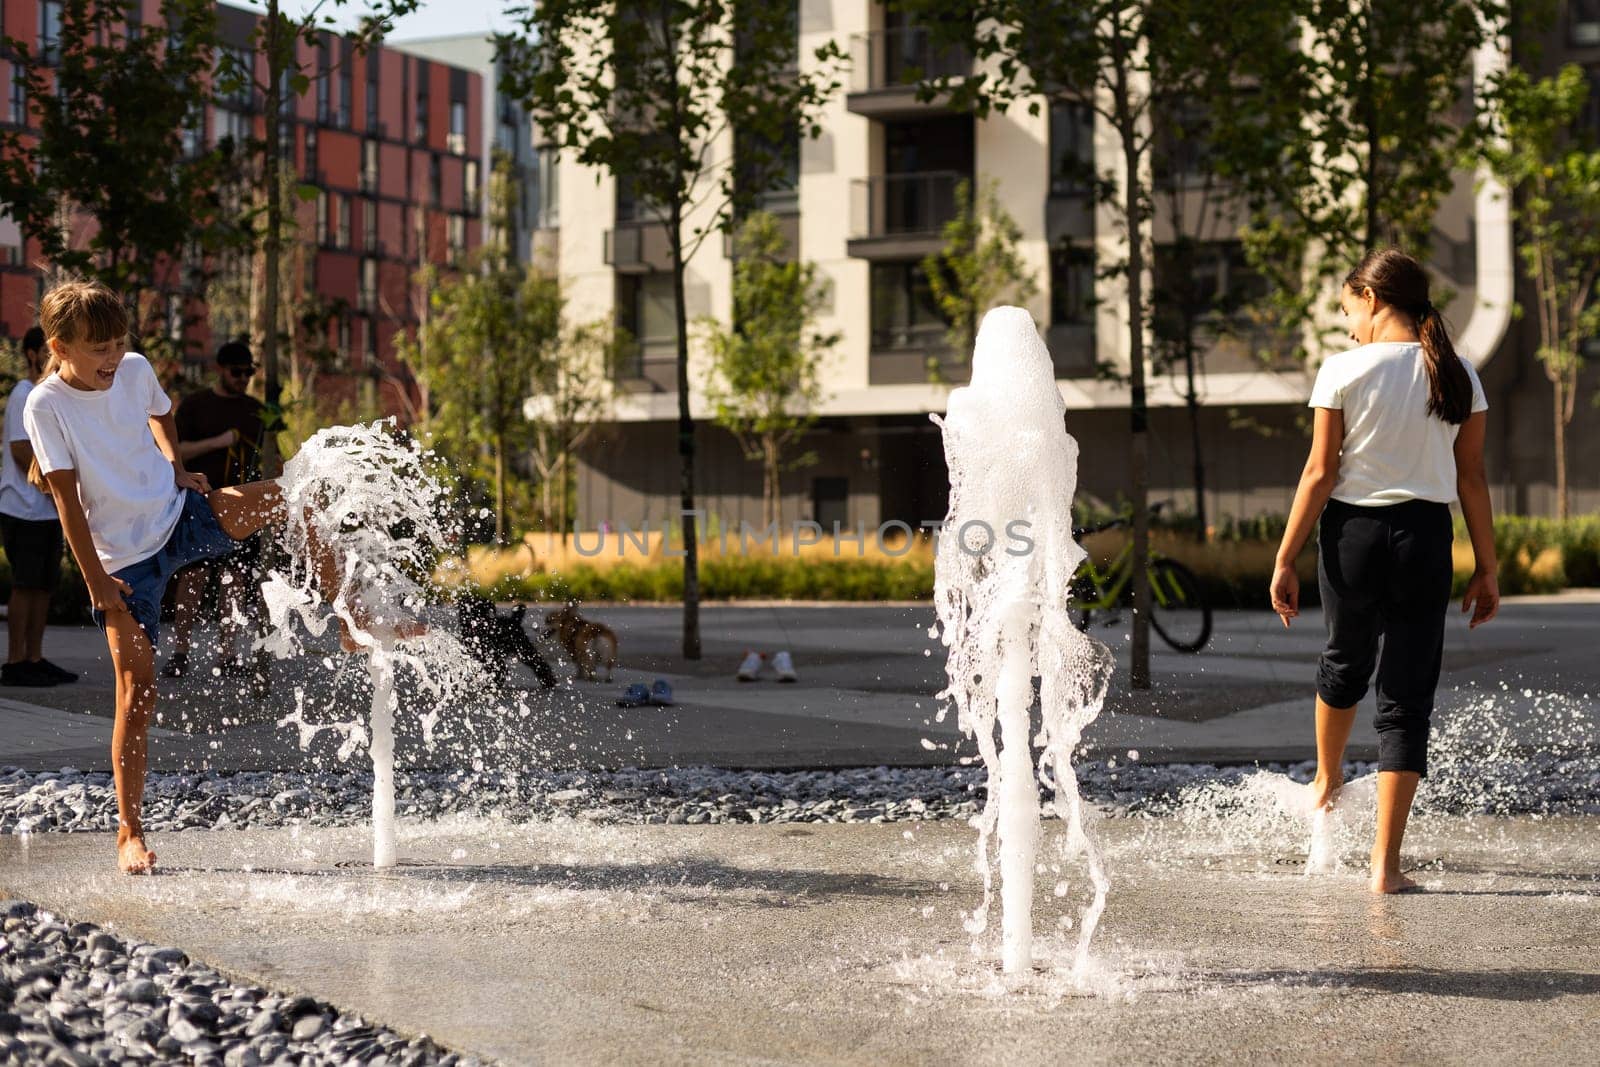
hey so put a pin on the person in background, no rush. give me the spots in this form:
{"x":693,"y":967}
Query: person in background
{"x":219,"y":435}
{"x":32,"y":535}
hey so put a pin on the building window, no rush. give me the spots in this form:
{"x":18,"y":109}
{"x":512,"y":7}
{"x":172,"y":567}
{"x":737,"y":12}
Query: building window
{"x":456,"y":230}
{"x":369,"y":225}
{"x":435,"y":180}
{"x":830,"y":502}
{"x":344,"y":340}
{"x":420,"y":131}
{"x":1071,"y":285}
{"x":322,"y":217}
{"x":19,"y":99}
{"x":311,"y":174}
{"x":648,"y":313}
{"x":50,"y":31}
{"x":324,"y":87}
{"x":369,"y":285}
{"x":1583,"y":23}
{"x":469,"y":188}
{"x":1071,"y":148}
{"x":1179,"y":154}
{"x":774,"y":167}
{"x":547,"y":189}
{"x":904,"y":312}
{"x":372,"y":341}
{"x":232,"y":126}
{"x":346,"y":211}
{"x":193,"y":134}
{"x":458,"y":127}
{"x":372,"y":95}
{"x":347,"y":96}
{"x":369,"y":166}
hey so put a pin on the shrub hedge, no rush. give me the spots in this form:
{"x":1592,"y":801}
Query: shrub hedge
{"x":1535,"y":555}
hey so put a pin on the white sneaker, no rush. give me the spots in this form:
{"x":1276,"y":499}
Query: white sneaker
{"x":784,"y":667}
{"x":750,"y":667}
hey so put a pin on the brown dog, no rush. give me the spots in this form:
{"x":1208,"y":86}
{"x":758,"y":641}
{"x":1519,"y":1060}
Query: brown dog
{"x":584,"y":640}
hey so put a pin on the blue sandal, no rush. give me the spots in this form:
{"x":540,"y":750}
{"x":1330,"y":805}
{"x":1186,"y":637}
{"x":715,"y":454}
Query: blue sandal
{"x":635,"y":696}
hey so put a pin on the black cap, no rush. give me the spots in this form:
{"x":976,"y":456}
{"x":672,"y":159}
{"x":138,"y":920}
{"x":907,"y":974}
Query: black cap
{"x":33,"y":340}
{"x":235,"y":354}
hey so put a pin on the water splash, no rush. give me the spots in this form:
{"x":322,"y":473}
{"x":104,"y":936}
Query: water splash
{"x":376,"y":499}
{"x":1002,"y":577}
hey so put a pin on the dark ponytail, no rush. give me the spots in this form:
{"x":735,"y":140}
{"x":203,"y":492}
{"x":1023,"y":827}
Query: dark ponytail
{"x":1449,"y":387}
{"x":1399,"y":281}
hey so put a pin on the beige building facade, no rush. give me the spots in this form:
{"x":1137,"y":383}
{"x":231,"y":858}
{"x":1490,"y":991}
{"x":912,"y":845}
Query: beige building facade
{"x":868,"y":200}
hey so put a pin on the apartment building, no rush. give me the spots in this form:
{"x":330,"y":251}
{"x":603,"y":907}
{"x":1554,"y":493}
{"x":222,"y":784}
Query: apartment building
{"x":507,"y":128}
{"x":868,"y":200}
{"x":391,"y":142}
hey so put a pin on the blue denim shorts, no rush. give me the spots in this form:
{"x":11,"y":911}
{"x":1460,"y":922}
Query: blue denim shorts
{"x":197,"y":536}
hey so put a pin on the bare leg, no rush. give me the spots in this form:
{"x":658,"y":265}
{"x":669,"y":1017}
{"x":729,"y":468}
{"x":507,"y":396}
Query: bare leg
{"x":38,"y":612}
{"x":186,"y":605}
{"x":133,"y":660}
{"x":1396,"y":790}
{"x":243,"y":510}
{"x":1333,"y":731}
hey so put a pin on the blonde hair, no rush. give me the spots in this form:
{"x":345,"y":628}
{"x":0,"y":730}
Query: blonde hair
{"x":76,"y":311}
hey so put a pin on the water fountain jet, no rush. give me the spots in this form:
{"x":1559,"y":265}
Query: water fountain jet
{"x":1002,"y":608}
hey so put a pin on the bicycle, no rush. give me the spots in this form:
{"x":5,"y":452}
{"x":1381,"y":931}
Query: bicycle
{"x":1179,"y":612}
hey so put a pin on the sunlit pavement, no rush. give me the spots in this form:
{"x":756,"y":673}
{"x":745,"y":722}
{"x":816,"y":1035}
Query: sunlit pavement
{"x":866,"y":695}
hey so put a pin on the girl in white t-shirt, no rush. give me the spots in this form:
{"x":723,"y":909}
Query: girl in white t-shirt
{"x":106,"y":447}
{"x":1398,"y":435}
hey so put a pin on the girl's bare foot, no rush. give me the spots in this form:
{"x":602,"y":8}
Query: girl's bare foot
{"x":132,"y":855}
{"x":1324,"y":790}
{"x":1383,"y":882}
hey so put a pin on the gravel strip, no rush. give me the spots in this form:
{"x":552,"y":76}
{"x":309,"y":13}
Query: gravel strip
{"x":70,"y":800}
{"x":75,"y":994}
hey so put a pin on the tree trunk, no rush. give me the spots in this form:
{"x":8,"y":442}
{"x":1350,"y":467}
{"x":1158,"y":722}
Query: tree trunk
{"x":771,"y":495}
{"x":686,"y":448}
{"x":1193,"y":401}
{"x":273,"y":247}
{"x":499,"y":489}
{"x":1370,"y":115}
{"x":1138,"y":414}
{"x":1559,"y":391}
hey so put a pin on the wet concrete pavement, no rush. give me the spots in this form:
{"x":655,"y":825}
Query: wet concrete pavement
{"x":573,"y":943}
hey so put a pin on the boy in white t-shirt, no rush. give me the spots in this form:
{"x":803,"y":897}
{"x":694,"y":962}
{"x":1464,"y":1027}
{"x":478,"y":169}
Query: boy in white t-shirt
{"x":106,"y":445}
{"x":32,"y":536}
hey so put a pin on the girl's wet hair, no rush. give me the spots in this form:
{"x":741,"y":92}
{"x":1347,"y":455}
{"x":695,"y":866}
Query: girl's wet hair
{"x":1399,"y":281}
{"x":83,"y":311}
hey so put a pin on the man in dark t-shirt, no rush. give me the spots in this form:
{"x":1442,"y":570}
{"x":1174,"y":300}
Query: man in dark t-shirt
{"x":220,"y":432}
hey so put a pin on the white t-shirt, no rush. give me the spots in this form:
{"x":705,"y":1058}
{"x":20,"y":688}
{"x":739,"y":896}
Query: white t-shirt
{"x":125,"y":483}
{"x":18,"y":498}
{"x":1393,"y":449}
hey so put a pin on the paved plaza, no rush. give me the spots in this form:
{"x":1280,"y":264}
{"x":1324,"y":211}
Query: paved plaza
{"x":868,"y":678}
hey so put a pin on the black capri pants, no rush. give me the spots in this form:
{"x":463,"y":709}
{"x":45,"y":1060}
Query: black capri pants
{"x":1385,"y":573}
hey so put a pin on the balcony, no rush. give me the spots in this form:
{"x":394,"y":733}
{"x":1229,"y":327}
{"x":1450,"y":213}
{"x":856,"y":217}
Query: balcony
{"x":637,"y":248}
{"x":911,"y":354}
{"x":887,"y":67}
{"x":651,"y":367}
{"x":901,"y":216}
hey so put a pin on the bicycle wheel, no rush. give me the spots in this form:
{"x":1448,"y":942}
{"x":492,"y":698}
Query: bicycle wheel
{"x":1178,"y":612}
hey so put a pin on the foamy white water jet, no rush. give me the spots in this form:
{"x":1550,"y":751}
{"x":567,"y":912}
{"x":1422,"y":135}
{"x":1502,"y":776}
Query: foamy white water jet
{"x":1002,"y":576}
{"x":373,"y":497}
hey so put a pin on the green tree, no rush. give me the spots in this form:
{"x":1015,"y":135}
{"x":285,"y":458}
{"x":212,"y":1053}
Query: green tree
{"x":764,"y":380}
{"x":1098,"y":52}
{"x":1553,"y":178}
{"x":978,"y":267}
{"x":651,"y":94}
{"x":114,"y":181}
{"x":1353,"y":140}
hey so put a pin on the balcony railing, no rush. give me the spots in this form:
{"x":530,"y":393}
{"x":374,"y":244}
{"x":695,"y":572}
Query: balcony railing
{"x":652,"y":363}
{"x":902,"y":57}
{"x":903,"y":205}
